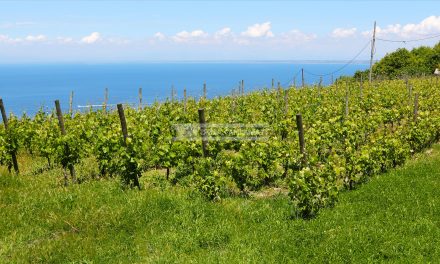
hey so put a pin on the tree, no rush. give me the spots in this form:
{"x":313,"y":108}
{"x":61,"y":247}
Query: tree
{"x":394,"y":64}
{"x":421,"y":61}
{"x":434,"y":60}
{"x":418,"y":61}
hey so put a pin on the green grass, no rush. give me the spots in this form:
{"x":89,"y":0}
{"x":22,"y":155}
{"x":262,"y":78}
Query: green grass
{"x":394,"y":217}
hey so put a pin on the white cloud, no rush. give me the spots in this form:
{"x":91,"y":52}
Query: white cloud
{"x":224,"y":32}
{"x":198,"y":33}
{"x":61,"y":40}
{"x":38,"y":38}
{"x":28,"y":39}
{"x":297,"y":36}
{"x":9,"y":40}
{"x":159,"y":36}
{"x":258,"y":30}
{"x":343,"y":32}
{"x":292,"y":37}
{"x":64,"y":40}
{"x":367,"y":33}
{"x":196,"y":36}
{"x":395,"y":29}
{"x":429,"y":25}
{"x":185,"y":36}
{"x":92,"y":38}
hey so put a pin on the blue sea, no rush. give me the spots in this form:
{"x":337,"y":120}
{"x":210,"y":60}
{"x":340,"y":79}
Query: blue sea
{"x":27,"y":88}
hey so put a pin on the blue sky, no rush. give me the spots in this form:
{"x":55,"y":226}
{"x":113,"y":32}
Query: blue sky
{"x":141,"y":31}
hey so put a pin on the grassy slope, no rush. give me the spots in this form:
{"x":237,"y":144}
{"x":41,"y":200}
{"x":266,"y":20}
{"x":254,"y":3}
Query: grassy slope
{"x":395,"y":216}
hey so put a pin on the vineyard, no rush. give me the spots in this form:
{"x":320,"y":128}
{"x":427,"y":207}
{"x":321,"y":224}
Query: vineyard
{"x":240,"y":143}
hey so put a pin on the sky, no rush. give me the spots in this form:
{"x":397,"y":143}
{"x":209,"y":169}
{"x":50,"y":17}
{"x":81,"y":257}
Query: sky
{"x":149,"y":31}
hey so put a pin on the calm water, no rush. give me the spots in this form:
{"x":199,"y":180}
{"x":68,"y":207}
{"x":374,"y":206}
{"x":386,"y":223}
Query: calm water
{"x":26,"y":88}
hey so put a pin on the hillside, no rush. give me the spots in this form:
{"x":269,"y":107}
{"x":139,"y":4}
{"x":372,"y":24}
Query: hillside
{"x":394,"y":218}
{"x":242,"y":202}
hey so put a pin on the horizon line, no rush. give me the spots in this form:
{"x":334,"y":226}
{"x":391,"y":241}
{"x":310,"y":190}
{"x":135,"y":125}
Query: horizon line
{"x":318,"y":61}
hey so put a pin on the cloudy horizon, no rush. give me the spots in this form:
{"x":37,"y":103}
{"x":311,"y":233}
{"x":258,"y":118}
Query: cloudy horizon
{"x":123,"y":33}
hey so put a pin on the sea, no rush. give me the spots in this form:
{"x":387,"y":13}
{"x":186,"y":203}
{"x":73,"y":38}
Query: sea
{"x":26,"y":88}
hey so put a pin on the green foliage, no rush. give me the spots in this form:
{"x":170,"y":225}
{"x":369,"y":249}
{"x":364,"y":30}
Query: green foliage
{"x":419,"y":61}
{"x":344,"y":146}
{"x":395,"y":64}
{"x":10,"y":141}
{"x":208,"y":179}
{"x":4,"y":155}
{"x":393,"y":218}
{"x":313,"y":189}
{"x":128,"y":164}
{"x":46,"y":134}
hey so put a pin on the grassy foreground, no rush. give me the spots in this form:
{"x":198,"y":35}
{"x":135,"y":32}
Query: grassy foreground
{"x":394,"y":217}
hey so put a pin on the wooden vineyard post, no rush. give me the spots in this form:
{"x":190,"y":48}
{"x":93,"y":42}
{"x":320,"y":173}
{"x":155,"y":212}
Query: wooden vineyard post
{"x":63,"y":132}
{"x":104,"y":107}
{"x":71,"y":104}
{"x":172,"y":93}
{"x":125,"y":135}
{"x":273,"y":83}
{"x":373,"y":42}
{"x":242,"y":87}
{"x":140,"y":98}
{"x":5,"y":122}
{"x":416,"y":107}
{"x":332,"y":79}
{"x":203,"y":132}
{"x":299,"y":125}
{"x":123,"y":123}
{"x":294,"y":82}
{"x":204,"y":90}
{"x":302,"y":77}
